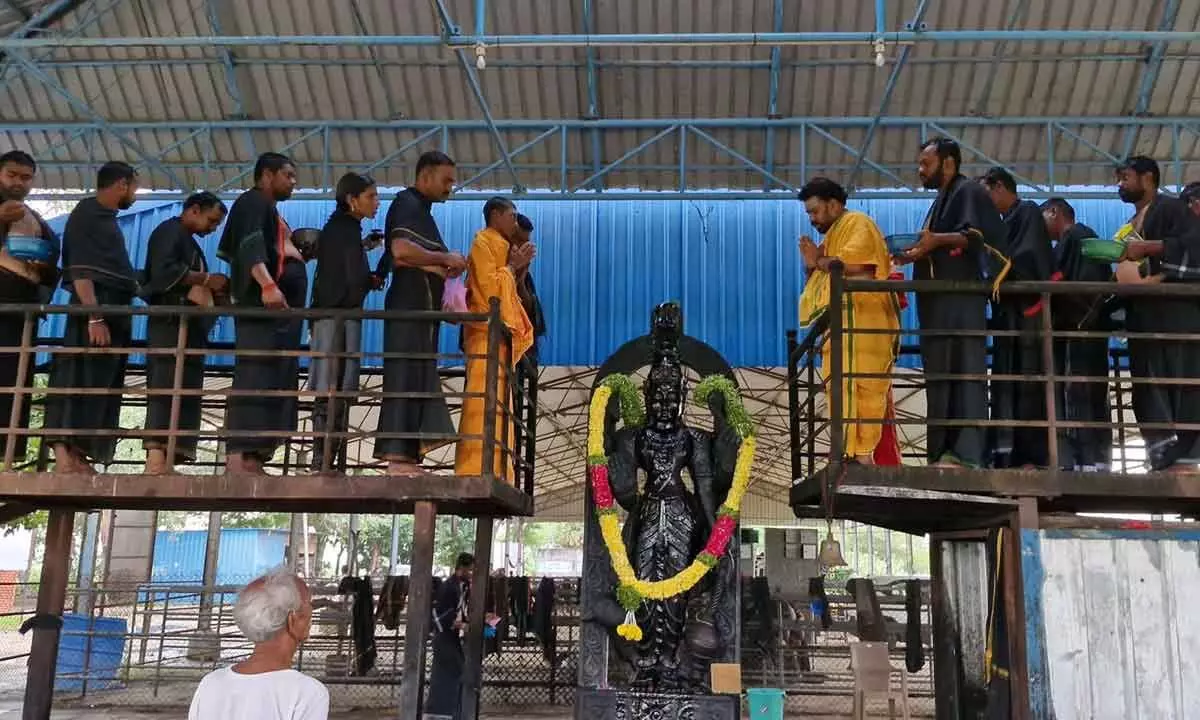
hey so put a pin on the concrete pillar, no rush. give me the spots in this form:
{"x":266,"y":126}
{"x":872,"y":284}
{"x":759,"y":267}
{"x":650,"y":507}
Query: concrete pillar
{"x":129,"y":557}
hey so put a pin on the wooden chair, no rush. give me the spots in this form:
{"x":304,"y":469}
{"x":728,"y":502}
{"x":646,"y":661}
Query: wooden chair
{"x":873,"y":676}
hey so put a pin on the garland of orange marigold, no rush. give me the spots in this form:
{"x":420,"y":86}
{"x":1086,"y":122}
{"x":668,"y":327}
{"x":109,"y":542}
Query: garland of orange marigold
{"x":631,"y":590}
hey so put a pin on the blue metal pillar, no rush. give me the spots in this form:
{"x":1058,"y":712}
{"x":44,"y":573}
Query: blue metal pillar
{"x":450,"y":30}
{"x":1150,"y":76}
{"x":886,"y":99}
{"x":231,"y":82}
{"x":1050,"y":156}
{"x":480,"y":16}
{"x":593,"y":93}
{"x":773,"y":93}
{"x":563,"y":157}
{"x":683,"y":159}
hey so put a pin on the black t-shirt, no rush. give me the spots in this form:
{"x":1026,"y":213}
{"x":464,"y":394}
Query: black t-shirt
{"x":172,"y":253}
{"x":94,"y":248}
{"x":343,"y":276}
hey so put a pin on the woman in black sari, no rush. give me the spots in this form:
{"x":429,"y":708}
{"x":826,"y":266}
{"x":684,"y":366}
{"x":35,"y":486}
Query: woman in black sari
{"x":176,"y":274}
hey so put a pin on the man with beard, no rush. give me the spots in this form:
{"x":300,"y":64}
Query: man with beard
{"x":266,"y":271}
{"x":1016,"y":403}
{"x":1166,"y":235}
{"x":1078,"y":400}
{"x":97,"y":271}
{"x":28,"y":279}
{"x":419,"y":263}
{"x":962,"y":231}
{"x":176,"y":274}
{"x":870,"y":320}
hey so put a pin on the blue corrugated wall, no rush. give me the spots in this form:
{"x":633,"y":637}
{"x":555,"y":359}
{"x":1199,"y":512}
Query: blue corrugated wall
{"x":602,"y":266}
{"x":245,"y":554}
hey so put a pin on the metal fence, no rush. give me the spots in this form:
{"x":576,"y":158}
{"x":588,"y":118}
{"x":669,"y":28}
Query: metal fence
{"x":820,"y":417}
{"x":509,"y":426}
{"x":146,"y":648}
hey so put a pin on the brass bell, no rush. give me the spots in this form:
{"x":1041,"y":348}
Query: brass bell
{"x":830,"y":554}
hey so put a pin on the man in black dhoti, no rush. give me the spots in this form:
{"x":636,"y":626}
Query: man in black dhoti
{"x":1077,"y":359}
{"x":28,"y":275}
{"x":962,"y":232}
{"x":449,"y":623}
{"x":343,"y":279}
{"x":266,"y":271}
{"x":1167,"y":239}
{"x":1017,"y":403}
{"x":97,"y":271}
{"x":419,"y":262}
{"x":528,"y":291}
{"x":176,"y":275}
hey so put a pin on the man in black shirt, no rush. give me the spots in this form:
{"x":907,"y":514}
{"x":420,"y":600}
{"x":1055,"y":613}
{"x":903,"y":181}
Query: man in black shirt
{"x":1168,"y":241}
{"x":962,"y":231}
{"x":419,"y":263}
{"x":266,"y":270}
{"x":527,"y":290}
{"x":24,"y":279}
{"x":97,"y":271}
{"x":176,"y":274}
{"x":449,"y":621}
{"x":1019,"y":402}
{"x":1078,"y":400}
{"x":343,"y":279}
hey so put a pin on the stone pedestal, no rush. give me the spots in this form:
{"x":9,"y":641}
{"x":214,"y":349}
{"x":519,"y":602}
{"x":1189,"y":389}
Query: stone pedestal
{"x":628,"y":705}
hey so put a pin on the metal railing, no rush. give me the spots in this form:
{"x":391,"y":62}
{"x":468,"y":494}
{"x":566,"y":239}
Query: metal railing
{"x":509,"y":394}
{"x":819,"y":420}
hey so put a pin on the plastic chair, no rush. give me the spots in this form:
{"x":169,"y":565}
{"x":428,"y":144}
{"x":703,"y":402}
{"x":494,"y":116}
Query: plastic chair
{"x":873,"y":676}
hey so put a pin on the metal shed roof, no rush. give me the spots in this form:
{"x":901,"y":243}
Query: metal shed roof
{"x":773,"y":91}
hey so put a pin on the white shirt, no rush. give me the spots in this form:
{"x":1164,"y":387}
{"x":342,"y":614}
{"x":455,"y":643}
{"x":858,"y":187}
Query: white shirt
{"x":280,"y":695}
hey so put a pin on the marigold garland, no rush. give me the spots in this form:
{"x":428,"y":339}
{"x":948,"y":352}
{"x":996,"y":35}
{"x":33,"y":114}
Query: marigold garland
{"x":632,"y":591}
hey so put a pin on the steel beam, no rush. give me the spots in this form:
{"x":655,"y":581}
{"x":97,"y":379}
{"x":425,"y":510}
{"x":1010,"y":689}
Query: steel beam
{"x":752,"y":39}
{"x":250,"y":168}
{"x":773,"y":90}
{"x":387,"y":159}
{"x":1018,"y":12}
{"x":658,"y":123}
{"x":619,"y":161}
{"x":516,"y":151}
{"x":83,"y":108}
{"x":865,"y":149}
{"x":1087,"y":143}
{"x":450,"y":30}
{"x":231,"y":81}
{"x":982,"y":155}
{"x":593,"y":112}
{"x":1150,"y":76}
{"x":743,"y":159}
{"x":854,"y":153}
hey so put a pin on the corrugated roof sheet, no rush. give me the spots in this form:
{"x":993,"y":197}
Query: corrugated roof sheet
{"x":1097,"y":79}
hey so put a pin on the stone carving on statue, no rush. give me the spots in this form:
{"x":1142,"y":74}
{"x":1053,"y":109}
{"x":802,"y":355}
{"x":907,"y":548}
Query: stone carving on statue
{"x":661,"y":589}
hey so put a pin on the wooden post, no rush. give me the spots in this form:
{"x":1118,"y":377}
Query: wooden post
{"x":473,"y":671}
{"x":43,"y":652}
{"x":420,"y":609}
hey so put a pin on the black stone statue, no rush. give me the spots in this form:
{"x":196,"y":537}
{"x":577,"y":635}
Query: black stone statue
{"x":668,"y":522}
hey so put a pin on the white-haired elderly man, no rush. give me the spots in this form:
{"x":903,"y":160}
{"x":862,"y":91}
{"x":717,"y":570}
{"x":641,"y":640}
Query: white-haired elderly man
{"x":275,"y":613}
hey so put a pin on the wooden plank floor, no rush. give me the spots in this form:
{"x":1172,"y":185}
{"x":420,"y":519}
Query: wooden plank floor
{"x":925,"y":499}
{"x":332,"y":493}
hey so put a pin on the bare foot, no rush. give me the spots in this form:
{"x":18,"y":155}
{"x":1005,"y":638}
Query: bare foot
{"x":399,"y":468}
{"x":242,"y":464}
{"x":156,"y":462}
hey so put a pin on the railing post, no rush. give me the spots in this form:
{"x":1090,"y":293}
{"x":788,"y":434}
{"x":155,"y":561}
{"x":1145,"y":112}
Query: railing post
{"x":490,"y":394}
{"x":43,"y":651}
{"x":1051,"y":399}
{"x":176,"y":386}
{"x":836,"y":372}
{"x":531,"y":427}
{"x":793,"y":381}
{"x":14,"y":416}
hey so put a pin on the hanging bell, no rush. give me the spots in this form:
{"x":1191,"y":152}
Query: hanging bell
{"x":830,"y":554}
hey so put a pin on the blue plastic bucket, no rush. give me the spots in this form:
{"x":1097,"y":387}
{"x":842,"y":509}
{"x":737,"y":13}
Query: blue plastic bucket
{"x":766,"y":703}
{"x":102,"y":657}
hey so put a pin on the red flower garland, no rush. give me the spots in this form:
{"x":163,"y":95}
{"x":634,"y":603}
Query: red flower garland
{"x":722,"y":533}
{"x":600,"y":487}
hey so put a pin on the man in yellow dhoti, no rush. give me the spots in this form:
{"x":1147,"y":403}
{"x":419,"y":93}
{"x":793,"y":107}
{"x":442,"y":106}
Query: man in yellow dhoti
{"x":853,"y":238}
{"x":492,"y":268}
